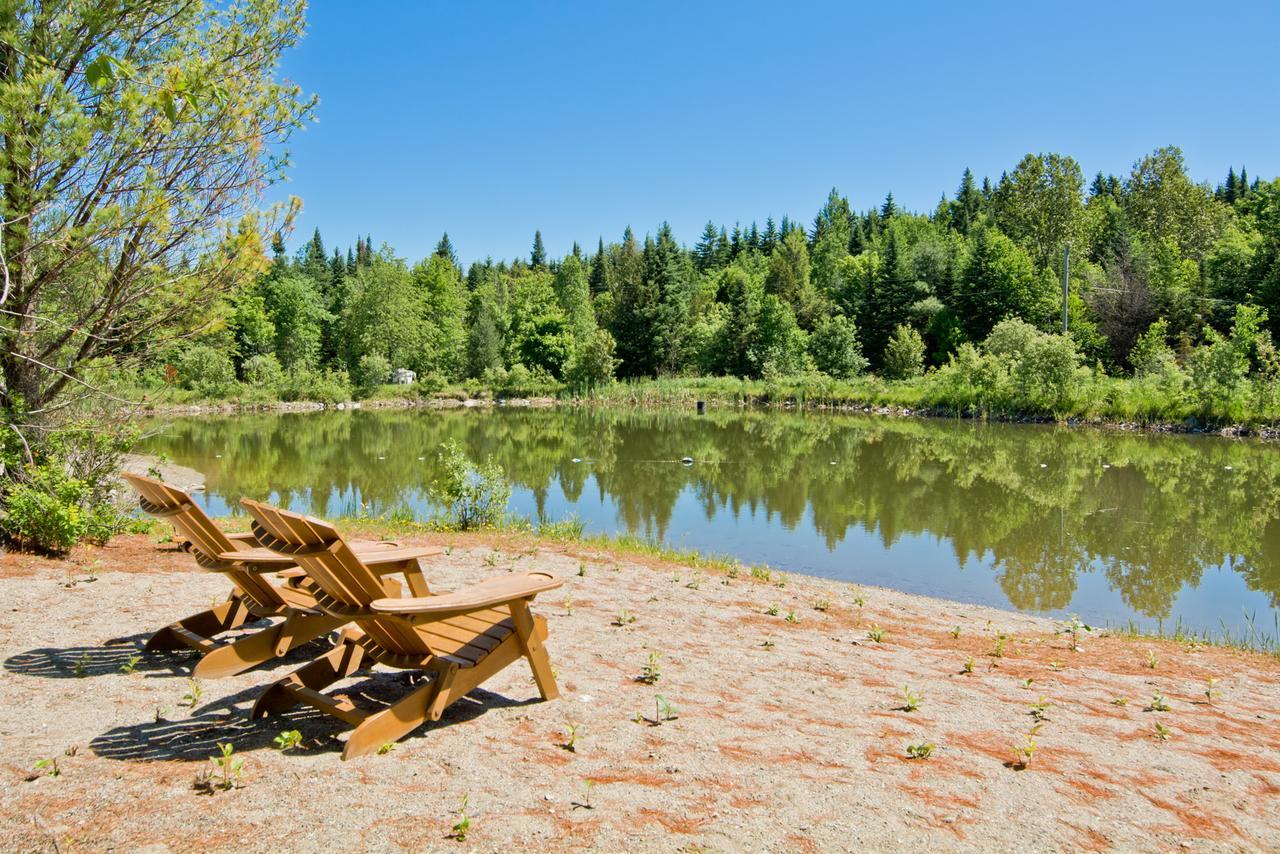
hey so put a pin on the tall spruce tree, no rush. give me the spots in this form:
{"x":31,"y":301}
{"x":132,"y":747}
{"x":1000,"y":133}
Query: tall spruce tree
{"x":704,"y":252}
{"x":538,"y":255}
{"x":444,"y":249}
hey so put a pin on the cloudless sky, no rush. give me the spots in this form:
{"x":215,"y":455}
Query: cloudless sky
{"x":490,"y":120}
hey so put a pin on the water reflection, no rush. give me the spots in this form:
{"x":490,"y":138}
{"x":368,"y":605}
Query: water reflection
{"x":1108,"y":525}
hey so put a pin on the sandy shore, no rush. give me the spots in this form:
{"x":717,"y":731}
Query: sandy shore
{"x":786,"y":735}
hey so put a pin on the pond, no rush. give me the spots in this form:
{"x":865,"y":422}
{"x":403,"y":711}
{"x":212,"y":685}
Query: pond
{"x":1114,"y":527}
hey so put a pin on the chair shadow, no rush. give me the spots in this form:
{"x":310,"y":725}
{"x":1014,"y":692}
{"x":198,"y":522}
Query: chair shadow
{"x":226,"y":720}
{"x":116,"y":656}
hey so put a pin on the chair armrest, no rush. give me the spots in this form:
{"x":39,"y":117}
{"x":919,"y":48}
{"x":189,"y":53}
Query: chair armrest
{"x":393,"y":554}
{"x":486,"y":594}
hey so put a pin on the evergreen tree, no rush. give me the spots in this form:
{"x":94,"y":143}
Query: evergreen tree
{"x":735,"y":242}
{"x":888,"y":210}
{"x":669,"y":279}
{"x":635,"y":308}
{"x":538,"y":256}
{"x":770,"y":237}
{"x":705,"y":251}
{"x":968,"y":204}
{"x":444,"y":249}
{"x":600,"y":278}
{"x":351,"y":262}
{"x":337,"y":269}
{"x":576,"y":252}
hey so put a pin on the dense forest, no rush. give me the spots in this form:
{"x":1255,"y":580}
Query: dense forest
{"x":1167,"y":278}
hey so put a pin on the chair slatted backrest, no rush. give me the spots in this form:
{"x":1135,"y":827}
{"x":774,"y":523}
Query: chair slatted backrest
{"x":331,"y":564}
{"x":159,"y":499}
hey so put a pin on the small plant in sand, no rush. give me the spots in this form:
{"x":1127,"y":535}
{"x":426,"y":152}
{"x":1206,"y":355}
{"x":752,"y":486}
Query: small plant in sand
{"x":288,"y":740}
{"x":571,"y":738}
{"x":1025,"y":752}
{"x":652,"y":670}
{"x":82,"y":664}
{"x":1162,"y":732}
{"x":768,"y":643}
{"x":773,"y":610}
{"x":568,"y":606}
{"x":968,"y":665}
{"x":585,"y":803}
{"x":71,"y":751}
{"x":760,"y":573}
{"x":386,"y":747}
{"x":662,"y":710}
{"x":997,"y":651}
{"x":582,"y":570}
{"x":733,"y":571}
{"x":1073,"y":627}
{"x":791,"y":617}
{"x":875,"y":634}
{"x":194,"y":693}
{"x":1040,"y":709}
{"x":130,"y":664}
{"x":47,"y":767}
{"x":1158,"y":703}
{"x":1055,"y":666}
{"x":1027,"y":683}
{"x":1120,"y":701}
{"x":463,"y":825}
{"x":910,"y":699}
{"x":624,"y":618}
{"x":696,"y":581}
{"x":955,"y":633}
{"x":1211,"y":693}
{"x":859,"y":601}
{"x":1153,"y":660}
{"x":226,"y":773}
{"x":920,"y":751}
{"x":823,"y":605}
{"x":491,"y":559}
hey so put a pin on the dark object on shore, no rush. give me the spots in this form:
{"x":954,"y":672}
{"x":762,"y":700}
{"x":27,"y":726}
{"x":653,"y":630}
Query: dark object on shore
{"x":702,"y":407}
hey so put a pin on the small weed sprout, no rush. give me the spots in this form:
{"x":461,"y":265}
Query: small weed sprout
{"x":582,"y":570}
{"x":955,"y":633}
{"x":1152,"y":659}
{"x":491,"y":559}
{"x":568,"y":606}
{"x":571,"y":741}
{"x":1158,"y":703}
{"x":1210,"y":692}
{"x":228,"y":766}
{"x":1055,"y":666}
{"x":768,"y":643}
{"x":1162,"y":732}
{"x":587,"y":786}
{"x":823,"y":605}
{"x":760,"y":573}
{"x":997,"y":651}
{"x":288,"y":740}
{"x":910,"y":699}
{"x":463,"y":824}
{"x":129,"y":665}
{"x":624,"y":618}
{"x":920,"y":751}
{"x":72,"y":750}
{"x":875,"y":634}
{"x":48,"y":767}
{"x":194,"y":693}
{"x":1074,"y":627}
{"x":968,"y":665}
{"x":1025,"y":752}
{"x":82,"y":664}
{"x":387,"y":747}
{"x":791,"y":617}
{"x":696,"y":581}
{"x":859,"y":601}
{"x":1027,"y":683}
{"x":772,"y":610}
{"x":1040,"y":709}
{"x":1120,"y":701}
{"x":662,"y":709}
{"x":731,"y":572}
{"x":652,"y":670}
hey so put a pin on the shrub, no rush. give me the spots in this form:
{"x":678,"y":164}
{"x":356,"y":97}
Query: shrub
{"x":904,"y":354}
{"x":45,"y":512}
{"x":328,"y":387}
{"x":835,"y":349}
{"x":475,"y":496}
{"x":206,"y":369}
{"x":262,"y":370}
{"x":592,"y":363}
{"x":371,"y":371}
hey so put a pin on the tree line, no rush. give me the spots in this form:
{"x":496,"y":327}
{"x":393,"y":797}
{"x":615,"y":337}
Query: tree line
{"x":1153,"y":254}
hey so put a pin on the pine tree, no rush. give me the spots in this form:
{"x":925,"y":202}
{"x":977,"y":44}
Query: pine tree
{"x":576,"y":252}
{"x":351,"y":262}
{"x":888,"y":210}
{"x":600,"y":278}
{"x":704,"y":252}
{"x":723,"y":253}
{"x":770,"y":237}
{"x":444,"y":249}
{"x":277,"y":249}
{"x":968,"y":204}
{"x":1242,"y":187}
{"x":538,"y":256}
{"x":635,"y":307}
{"x":1228,"y":192}
{"x":753,"y":237}
{"x":735,"y":242}
{"x":337,"y":269}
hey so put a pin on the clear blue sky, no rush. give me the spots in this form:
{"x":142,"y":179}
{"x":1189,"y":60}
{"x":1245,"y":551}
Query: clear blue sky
{"x":492,"y":119}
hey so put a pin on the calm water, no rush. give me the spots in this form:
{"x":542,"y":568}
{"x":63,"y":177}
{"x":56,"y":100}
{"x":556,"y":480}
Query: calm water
{"x":1049,"y":520}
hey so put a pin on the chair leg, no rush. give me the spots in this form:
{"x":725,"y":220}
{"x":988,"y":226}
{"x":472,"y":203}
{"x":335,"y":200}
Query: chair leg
{"x":263,"y":646}
{"x":344,"y":659}
{"x":221,"y":618}
{"x":532,"y":631}
{"x":424,"y":703}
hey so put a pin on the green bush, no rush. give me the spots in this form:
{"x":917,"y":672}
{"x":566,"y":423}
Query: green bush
{"x":206,"y":369}
{"x":371,"y":371}
{"x":835,"y":349}
{"x":262,"y":370}
{"x":475,"y":496}
{"x":327,"y":387}
{"x":45,"y":512}
{"x":904,"y":354}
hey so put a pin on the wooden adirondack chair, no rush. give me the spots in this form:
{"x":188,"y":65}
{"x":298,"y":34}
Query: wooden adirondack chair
{"x":459,"y":639}
{"x":247,"y":565}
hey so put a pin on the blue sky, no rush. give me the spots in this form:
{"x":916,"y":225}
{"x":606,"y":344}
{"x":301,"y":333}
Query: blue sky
{"x":492,"y":119}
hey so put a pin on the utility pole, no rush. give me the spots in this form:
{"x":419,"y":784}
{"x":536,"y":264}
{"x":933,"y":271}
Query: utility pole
{"x":1066,"y":277}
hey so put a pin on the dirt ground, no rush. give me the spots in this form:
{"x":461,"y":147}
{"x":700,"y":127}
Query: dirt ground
{"x":784,"y":735}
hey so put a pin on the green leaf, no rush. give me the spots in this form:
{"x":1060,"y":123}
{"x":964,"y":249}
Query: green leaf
{"x":101,"y":73}
{"x":169,"y":105}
